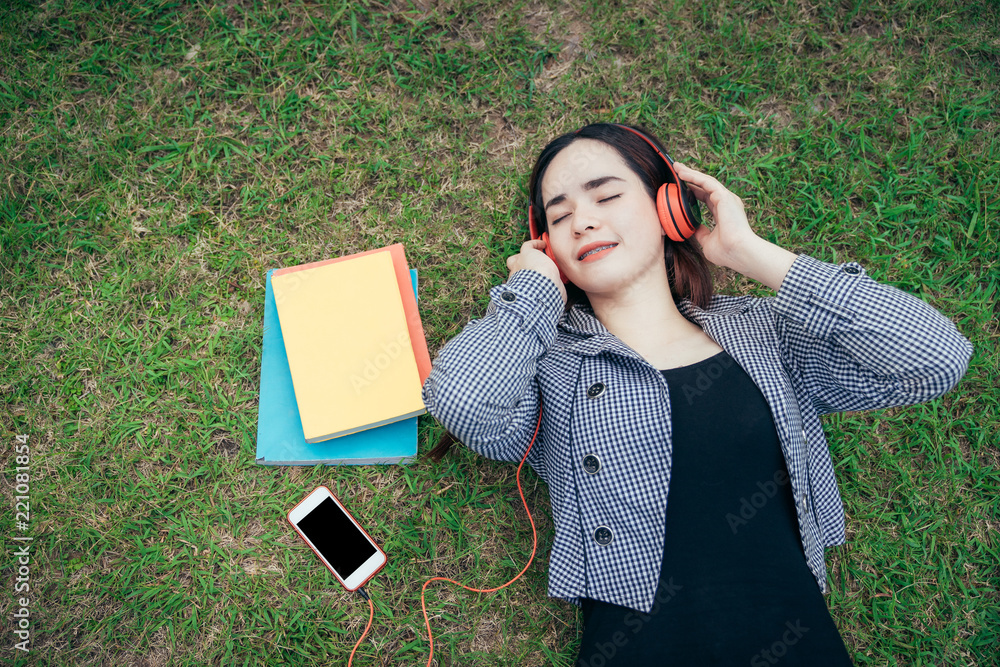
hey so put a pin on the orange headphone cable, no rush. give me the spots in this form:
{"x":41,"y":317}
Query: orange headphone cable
{"x":423,"y":604}
{"x":371,"y":615}
{"x":534,"y":548}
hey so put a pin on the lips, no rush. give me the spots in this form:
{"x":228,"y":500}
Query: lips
{"x":594,"y":246}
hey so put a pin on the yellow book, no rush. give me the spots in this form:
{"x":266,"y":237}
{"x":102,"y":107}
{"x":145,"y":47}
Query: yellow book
{"x":348,"y":344}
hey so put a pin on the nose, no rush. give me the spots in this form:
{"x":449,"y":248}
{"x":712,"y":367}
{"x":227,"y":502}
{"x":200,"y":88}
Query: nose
{"x":585,"y":217}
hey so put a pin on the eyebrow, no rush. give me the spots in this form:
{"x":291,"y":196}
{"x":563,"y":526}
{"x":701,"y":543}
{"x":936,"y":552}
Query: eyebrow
{"x":589,"y":185}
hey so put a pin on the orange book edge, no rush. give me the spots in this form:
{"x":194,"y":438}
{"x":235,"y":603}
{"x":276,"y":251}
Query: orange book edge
{"x":413,"y":324}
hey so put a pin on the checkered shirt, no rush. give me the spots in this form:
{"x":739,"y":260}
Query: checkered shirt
{"x":831,"y":340}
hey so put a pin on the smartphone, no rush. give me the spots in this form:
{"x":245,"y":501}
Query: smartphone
{"x":337,"y":538}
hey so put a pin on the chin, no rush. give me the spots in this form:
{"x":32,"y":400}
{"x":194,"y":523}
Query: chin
{"x":598,"y":286}
{"x":615,"y":280}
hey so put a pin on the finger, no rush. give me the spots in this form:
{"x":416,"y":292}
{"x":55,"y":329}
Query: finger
{"x":702,"y":180}
{"x":697,"y":189}
{"x":680,"y":166}
{"x":701,"y":234}
{"x":699,"y":192}
{"x":700,"y":184}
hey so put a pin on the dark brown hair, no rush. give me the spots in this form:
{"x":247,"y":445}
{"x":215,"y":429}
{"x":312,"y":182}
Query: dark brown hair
{"x":688,"y":271}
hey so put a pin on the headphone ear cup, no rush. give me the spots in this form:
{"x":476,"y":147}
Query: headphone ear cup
{"x":533,"y":231}
{"x":551,"y":255}
{"x":672,"y":213}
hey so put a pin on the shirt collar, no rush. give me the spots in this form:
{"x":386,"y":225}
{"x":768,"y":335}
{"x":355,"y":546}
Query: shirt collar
{"x":582,"y":321}
{"x":592,"y":337}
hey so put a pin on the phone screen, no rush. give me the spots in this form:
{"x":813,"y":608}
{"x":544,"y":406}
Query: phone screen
{"x":336,"y":537}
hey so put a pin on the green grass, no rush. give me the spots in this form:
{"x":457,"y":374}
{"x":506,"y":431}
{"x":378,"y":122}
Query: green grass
{"x":158,"y":156}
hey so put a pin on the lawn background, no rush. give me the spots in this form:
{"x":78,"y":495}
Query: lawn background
{"x":158,"y":156}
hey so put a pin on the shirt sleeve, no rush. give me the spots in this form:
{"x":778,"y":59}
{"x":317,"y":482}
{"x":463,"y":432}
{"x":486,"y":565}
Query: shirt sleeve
{"x":861,"y":345}
{"x":483,"y":385}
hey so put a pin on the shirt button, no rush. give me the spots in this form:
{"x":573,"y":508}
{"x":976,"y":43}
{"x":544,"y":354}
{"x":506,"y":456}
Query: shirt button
{"x":853,"y":270}
{"x":596,"y":390}
{"x":508,"y":296}
{"x":603,"y":536}
{"x":591,"y":464}
{"x":802,"y":501}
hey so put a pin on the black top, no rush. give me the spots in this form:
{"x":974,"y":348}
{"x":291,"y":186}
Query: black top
{"x":734,"y":584}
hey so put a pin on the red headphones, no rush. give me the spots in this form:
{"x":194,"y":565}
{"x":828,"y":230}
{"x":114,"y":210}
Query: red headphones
{"x":676,"y":207}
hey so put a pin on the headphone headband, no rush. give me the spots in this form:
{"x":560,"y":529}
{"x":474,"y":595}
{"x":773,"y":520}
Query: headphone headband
{"x":666,"y":158}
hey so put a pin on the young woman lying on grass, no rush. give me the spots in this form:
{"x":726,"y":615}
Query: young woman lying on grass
{"x":690,"y":481}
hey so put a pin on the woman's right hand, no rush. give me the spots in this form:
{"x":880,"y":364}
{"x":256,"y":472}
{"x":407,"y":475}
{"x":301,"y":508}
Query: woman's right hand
{"x":532,"y":256}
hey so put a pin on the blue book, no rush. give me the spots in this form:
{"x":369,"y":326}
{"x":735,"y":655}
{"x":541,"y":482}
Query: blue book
{"x":280,"y":439}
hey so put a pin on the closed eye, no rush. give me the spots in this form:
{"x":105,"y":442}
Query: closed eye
{"x":600,"y":201}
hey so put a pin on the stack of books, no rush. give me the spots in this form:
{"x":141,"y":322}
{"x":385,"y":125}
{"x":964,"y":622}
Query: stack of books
{"x":343,"y":361}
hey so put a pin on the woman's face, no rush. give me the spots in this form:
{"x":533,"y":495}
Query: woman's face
{"x":592,"y":197}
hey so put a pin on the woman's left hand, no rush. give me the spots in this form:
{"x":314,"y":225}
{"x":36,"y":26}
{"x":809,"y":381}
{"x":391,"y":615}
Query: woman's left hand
{"x":731,"y":233}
